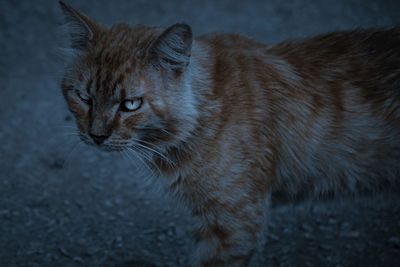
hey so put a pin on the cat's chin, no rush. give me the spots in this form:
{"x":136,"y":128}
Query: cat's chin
{"x":102,"y":147}
{"x":107,"y":148}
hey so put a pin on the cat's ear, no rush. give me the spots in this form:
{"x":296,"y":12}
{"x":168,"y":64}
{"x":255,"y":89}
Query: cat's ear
{"x":82,"y":29}
{"x":172,"y":48}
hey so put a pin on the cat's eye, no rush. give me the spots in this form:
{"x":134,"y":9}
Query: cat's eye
{"x":84,"y":97}
{"x":131,"y":104}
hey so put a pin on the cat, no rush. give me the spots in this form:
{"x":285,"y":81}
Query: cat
{"x":228,"y":123}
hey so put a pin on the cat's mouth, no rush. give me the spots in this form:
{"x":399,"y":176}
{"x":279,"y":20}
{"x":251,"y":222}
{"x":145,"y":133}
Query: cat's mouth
{"x":108,"y":146}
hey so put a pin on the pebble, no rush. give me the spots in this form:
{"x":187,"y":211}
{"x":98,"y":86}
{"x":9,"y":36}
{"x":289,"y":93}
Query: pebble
{"x":161,"y":237}
{"x":353,"y":234}
{"x":78,"y":259}
{"x":170,"y":232}
{"x":324,"y":228}
{"x":64,"y":252}
{"x":326,"y":246}
{"x":145,"y":252}
{"x":4,"y":212}
{"x":149,"y":231}
{"x":273,"y":237}
{"x":121,"y":214}
{"x":395,"y":241}
{"x":306,"y":227}
{"x":108,"y":203}
{"x":308,"y":236}
{"x":287,"y":230}
{"x":345,"y":225}
{"x":332,"y":221}
{"x":91,"y":251}
{"x":16,"y":213}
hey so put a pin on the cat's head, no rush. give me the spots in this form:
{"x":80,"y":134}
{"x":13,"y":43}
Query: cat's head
{"x":129,"y":86}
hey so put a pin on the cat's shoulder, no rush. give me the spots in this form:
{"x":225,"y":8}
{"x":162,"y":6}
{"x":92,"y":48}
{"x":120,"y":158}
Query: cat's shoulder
{"x":222,"y":40}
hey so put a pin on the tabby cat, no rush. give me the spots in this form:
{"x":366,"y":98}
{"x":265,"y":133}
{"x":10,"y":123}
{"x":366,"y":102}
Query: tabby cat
{"x":226,"y":123}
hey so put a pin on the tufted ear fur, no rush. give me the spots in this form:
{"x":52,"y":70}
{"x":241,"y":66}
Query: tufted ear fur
{"x":81,"y":28}
{"x":172,"y":48}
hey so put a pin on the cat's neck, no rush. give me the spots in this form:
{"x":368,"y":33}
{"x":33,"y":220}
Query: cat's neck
{"x":199,"y":110}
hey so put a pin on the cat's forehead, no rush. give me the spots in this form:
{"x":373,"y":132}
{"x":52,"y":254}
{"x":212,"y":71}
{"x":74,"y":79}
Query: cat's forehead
{"x":107,"y":83}
{"x":114,"y":64}
{"x":122,"y":43}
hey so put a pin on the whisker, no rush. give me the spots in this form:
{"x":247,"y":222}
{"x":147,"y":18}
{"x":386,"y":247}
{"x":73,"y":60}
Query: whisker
{"x":126,"y":153}
{"x":149,"y":159}
{"x":153,"y":128}
{"x":150,"y":144}
{"x":77,"y":144}
{"x":139,"y":156}
{"x":154,"y":151}
{"x":142,"y":153}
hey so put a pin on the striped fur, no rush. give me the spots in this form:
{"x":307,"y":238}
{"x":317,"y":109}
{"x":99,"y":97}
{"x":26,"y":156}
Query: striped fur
{"x":227,"y":122}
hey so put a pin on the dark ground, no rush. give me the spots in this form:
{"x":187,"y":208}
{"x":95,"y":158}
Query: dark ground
{"x":63,"y":204}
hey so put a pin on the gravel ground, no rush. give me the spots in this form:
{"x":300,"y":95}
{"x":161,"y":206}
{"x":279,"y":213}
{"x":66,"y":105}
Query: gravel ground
{"x":65,"y":204}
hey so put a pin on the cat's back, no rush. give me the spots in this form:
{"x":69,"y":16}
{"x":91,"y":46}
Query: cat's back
{"x":372,"y":55}
{"x":347,"y":120}
{"x":223,"y":43}
{"x":359,"y":66}
{"x":375,"y":44}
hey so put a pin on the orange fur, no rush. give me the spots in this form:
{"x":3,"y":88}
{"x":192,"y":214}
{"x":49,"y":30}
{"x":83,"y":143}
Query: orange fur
{"x":227,"y":122}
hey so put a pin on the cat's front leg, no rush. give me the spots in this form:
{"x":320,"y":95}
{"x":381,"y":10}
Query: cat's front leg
{"x":229,"y":233}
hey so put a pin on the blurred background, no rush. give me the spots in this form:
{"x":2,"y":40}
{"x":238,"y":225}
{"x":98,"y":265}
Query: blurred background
{"x":65,"y":204}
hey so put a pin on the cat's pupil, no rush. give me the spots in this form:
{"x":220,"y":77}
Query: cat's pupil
{"x":132,"y":104}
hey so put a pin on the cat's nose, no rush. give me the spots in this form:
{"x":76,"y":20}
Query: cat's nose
{"x":99,"y":139}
